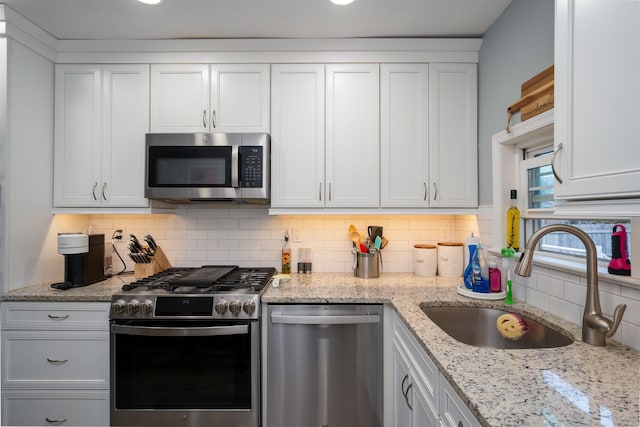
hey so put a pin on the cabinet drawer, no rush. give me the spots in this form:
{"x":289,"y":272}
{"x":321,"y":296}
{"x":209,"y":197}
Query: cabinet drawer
{"x":453,"y":412}
{"x":52,"y":408}
{"x":33,"y":359}
{"x":426,"y":370}
{"x":55,"y":316}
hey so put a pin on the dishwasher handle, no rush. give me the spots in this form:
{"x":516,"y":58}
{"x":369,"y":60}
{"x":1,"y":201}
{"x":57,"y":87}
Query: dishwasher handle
{"x":302,"y":319}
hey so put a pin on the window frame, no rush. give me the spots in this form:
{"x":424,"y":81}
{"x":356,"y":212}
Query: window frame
{"x":510,"y":172}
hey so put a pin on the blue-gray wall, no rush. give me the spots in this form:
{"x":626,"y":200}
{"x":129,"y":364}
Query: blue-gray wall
{"x":517,"y":47}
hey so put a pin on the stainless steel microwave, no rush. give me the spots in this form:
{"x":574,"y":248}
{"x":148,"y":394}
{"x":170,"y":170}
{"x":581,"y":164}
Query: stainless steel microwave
{"x":183,"y":168}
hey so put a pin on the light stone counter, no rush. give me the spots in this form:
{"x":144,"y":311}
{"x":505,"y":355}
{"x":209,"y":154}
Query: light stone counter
{"x":576,"y":385}
{"x":100,"y":291}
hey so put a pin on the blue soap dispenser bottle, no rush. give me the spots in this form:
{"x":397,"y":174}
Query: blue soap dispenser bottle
{"x":472,"y":244}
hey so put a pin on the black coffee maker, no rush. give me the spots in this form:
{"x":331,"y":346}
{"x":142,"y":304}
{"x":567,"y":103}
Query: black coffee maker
{"x":84,"y":259}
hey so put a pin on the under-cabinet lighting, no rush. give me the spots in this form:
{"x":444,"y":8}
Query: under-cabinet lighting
{"x":341,"y":2}
{"x":152,"y":2}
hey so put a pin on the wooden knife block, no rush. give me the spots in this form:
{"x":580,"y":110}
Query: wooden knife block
{"x":159,"y":262}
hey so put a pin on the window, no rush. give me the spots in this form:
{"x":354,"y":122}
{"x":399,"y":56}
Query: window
{"x":537,"y":179}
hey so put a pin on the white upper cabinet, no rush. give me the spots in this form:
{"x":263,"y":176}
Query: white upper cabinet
{"x":180,"y":98}
{"x":209,"y":98}
{"x":297,"y":135}
{"x":404,"y":137}
{"x":102,"y":115}
{"x":453,"y":141}
{"x":125,"y":121}
{"x":597,"y":99}
{"x":240,"y":98}
{"x":352,"y":139}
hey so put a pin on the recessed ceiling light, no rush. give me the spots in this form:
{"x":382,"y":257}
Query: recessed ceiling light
{"x":341,"y":2}
{"x":151,"y":1}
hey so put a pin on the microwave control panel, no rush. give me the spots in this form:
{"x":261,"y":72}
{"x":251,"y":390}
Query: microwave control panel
{"x":251,"y":166}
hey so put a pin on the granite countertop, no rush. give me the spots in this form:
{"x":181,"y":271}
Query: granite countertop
{"x":97,"y":292}
{"x":578,"y":384}
{"x":574,"y":385}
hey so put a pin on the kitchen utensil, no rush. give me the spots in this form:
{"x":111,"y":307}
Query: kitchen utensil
{"x":384,"y":243}
{"x":151,"y":242}
{"x":374,"y":231}
{"x":363,"y":248}
{"x":353,"y":228}
{"x":355,"y":238}
{"x":378,"y":242}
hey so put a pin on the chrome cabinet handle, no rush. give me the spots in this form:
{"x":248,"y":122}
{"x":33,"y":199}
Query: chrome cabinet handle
{"x":104,"y":186}
{"x":425,"y":191}
{"x":204,"y":119}
{"x":553,"y":163}
{"x":93,"y":191}
{"x":57,"y":361}
{"x":320,"y":192}
{"x":56,"y":317}
{"x":213,"y":118}
{"x":435,"y":193}
{"x":329,"y":191}
{"x":56,"y":420}
{"x":406,"y":377}
{"x":406,"y":397}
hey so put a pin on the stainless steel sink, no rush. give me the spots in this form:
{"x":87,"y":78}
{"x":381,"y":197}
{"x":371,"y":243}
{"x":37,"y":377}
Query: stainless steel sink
{"x":476,"y":326}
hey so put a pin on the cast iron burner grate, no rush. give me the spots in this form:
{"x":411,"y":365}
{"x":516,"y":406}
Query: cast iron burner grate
{"x":207,"y":279}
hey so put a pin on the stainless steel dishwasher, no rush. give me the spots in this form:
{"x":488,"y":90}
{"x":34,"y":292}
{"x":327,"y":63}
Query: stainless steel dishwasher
{"x":324,"y":365}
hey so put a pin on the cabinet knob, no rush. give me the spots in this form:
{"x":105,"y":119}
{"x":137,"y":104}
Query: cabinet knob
{"x":58,"y":317}
{"x":57,"y":361}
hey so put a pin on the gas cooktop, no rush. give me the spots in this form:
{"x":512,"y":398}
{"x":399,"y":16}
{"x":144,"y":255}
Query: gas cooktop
{"x":208,"y":292}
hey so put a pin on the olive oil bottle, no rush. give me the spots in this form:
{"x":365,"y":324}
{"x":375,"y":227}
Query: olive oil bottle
{"x":286,"y":255}
{"x":513,"y":223}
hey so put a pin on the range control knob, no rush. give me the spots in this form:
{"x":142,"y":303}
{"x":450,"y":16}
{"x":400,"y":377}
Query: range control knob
{"x":133,"y":306}
{"x":221,"y":306}
{"x":147,"y":306}
{"x":235,"y":307}
{"x":249,"y":307}
{"x":119,"y":306}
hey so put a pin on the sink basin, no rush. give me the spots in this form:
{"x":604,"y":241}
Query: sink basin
{"x":476,"y":326}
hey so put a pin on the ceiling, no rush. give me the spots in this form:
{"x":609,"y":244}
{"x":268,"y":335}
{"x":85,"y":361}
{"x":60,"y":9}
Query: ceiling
{"x":188,"y":19}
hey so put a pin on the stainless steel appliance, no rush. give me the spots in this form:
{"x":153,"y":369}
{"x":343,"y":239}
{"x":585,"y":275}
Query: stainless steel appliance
{"x":208,"y":167}
{"x":324,"y":365}
{"x":87,"y":259}
{"x":185,"y":348}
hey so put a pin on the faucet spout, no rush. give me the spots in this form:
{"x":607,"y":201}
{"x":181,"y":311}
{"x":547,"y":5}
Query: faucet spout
{"x":595,"y":326}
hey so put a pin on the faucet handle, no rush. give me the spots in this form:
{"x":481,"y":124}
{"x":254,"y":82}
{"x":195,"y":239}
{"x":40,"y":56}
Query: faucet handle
{"x":617,"y":318}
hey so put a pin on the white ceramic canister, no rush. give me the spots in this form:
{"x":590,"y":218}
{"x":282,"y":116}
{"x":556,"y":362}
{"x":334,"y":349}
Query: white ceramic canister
{"x":450,"y":259}
{"x":425,"y":260}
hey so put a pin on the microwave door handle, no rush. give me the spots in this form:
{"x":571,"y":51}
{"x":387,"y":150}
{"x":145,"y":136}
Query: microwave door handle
{"x":235,"y":166}
{"x":157,"y":331}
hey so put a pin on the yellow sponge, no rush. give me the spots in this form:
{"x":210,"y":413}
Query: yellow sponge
{"x":511,"y":326}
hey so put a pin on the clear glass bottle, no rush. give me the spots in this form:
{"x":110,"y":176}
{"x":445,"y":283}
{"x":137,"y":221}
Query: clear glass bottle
{"x":286,"y":255}
{"x":480,"y":269}
{"x":513,"y":223}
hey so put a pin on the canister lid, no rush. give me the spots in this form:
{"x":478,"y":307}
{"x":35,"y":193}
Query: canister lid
{"x":450,"y":244}
{"x":423,"y":246}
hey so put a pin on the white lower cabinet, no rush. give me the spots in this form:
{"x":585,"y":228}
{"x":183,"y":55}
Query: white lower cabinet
{"x":422,"y":397}
{"x":55,"y":363}
{"x":453,"y":411}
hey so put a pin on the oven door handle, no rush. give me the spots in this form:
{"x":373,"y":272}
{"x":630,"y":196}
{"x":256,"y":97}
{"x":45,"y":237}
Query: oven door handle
{"x":157,"y":331}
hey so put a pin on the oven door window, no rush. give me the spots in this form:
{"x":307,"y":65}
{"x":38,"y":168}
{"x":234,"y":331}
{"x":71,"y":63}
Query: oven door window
{"x":190,"y":166}
{"x":182,"y":372}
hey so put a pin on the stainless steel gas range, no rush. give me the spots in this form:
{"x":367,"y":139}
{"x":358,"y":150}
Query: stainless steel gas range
{"x":185,"y":348}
